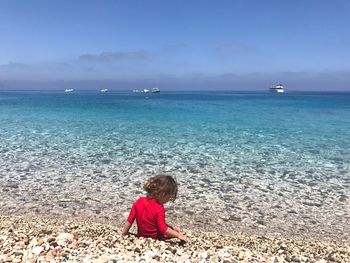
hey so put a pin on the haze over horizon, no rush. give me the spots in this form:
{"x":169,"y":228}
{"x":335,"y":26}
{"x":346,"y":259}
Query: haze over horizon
{"x":187,"y":45}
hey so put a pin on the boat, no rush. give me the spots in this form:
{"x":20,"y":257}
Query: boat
{"x":68,"y":90}
{"x":145,"y":91}
{"x":155,"y":90}
{"x":103,"y":90}
{"x":277,"y":88}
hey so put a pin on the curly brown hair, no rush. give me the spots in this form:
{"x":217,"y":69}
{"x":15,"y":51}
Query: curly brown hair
{"x":161,"y":184}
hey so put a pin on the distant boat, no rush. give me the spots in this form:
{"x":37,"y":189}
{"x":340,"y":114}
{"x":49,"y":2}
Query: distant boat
{"x":155,"y":90}
{"x":68,"y":90}
{"x":104,"y":90}
{"x":277,"y":88}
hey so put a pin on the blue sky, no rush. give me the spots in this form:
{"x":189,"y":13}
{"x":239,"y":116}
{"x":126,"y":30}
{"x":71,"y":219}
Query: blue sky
{"x":243,"y":45}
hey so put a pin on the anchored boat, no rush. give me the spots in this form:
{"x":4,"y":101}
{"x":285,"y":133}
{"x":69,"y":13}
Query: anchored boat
{"x":277,"y":88}
{"x":155,"y":90}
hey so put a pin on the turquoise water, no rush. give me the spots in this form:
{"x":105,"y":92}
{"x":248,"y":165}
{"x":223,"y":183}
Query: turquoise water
{"x":250,"y":154}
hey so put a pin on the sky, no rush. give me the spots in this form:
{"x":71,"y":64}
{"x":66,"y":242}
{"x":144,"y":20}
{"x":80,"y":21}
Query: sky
{"x":178,"y":44}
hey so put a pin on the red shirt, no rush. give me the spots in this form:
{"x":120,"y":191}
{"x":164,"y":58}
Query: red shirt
{"x":150,"y":218}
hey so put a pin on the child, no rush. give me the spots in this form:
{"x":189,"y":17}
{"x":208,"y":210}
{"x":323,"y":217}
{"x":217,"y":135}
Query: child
{"x":150,"y":213}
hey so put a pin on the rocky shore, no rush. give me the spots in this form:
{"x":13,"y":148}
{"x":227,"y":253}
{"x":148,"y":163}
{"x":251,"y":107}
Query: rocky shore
{"x":35,"y":239}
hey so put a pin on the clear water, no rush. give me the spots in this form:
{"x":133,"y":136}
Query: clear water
{"x":275,"y":161}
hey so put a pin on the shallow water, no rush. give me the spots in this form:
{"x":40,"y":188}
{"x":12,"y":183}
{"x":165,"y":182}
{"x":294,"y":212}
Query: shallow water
{"x":279,"y":162}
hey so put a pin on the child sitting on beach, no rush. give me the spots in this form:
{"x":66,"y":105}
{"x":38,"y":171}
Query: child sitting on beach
{"x":149,"y":211}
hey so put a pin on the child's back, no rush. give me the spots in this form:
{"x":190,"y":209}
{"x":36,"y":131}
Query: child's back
{"x":149,"y":211}
{"x":150,"y":218}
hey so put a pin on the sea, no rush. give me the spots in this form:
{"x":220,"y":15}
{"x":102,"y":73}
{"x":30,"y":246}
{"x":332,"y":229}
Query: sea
{"x":244,"y":161}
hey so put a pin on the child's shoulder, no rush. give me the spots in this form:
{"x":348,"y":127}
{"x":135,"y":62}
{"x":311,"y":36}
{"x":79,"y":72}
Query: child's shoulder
{"x":145,"y":199}
{"x":141,"y":199}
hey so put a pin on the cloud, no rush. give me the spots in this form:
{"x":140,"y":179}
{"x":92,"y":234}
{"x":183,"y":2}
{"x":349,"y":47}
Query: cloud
{"x":236,"y":47}
{"x":131,"y":71}
{"x":14,"y":66}
{"x":293,"y":81}
{"x":118,"y":56}
{"x":228,"y":76}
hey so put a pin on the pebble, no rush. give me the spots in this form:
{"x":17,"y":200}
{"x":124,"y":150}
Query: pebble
{"x":37,"y":250}
{"x":65,"y":237}
{"x":92,"y":242}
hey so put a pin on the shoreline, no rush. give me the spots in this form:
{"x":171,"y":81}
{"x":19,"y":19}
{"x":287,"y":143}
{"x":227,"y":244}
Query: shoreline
{"x":204,"y":223}
{"x":40,"y":239}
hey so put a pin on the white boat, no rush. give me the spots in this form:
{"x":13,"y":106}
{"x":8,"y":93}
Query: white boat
{"x":103,"y":90}
{"x":136,"y":91}
{"x":145,"y":90}
{"x":155,"y":90}
{"x":277,"y":88}
{"x":68,"y":90}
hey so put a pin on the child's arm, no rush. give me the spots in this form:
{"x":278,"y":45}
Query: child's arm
{"x":166,"y":229}
{"x":172,"y":233}
{"x":126,"y":227}
{"x":129,"y":221}
{"x":174,"y":228}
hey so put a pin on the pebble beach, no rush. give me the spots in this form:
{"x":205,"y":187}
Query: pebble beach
{"x":37,"y":239}
{"x":233,"y":115}
{"x":254,"y":186}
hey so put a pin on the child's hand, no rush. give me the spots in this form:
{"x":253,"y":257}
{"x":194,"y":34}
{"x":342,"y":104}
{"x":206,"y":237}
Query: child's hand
{"x":182,"y":237}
